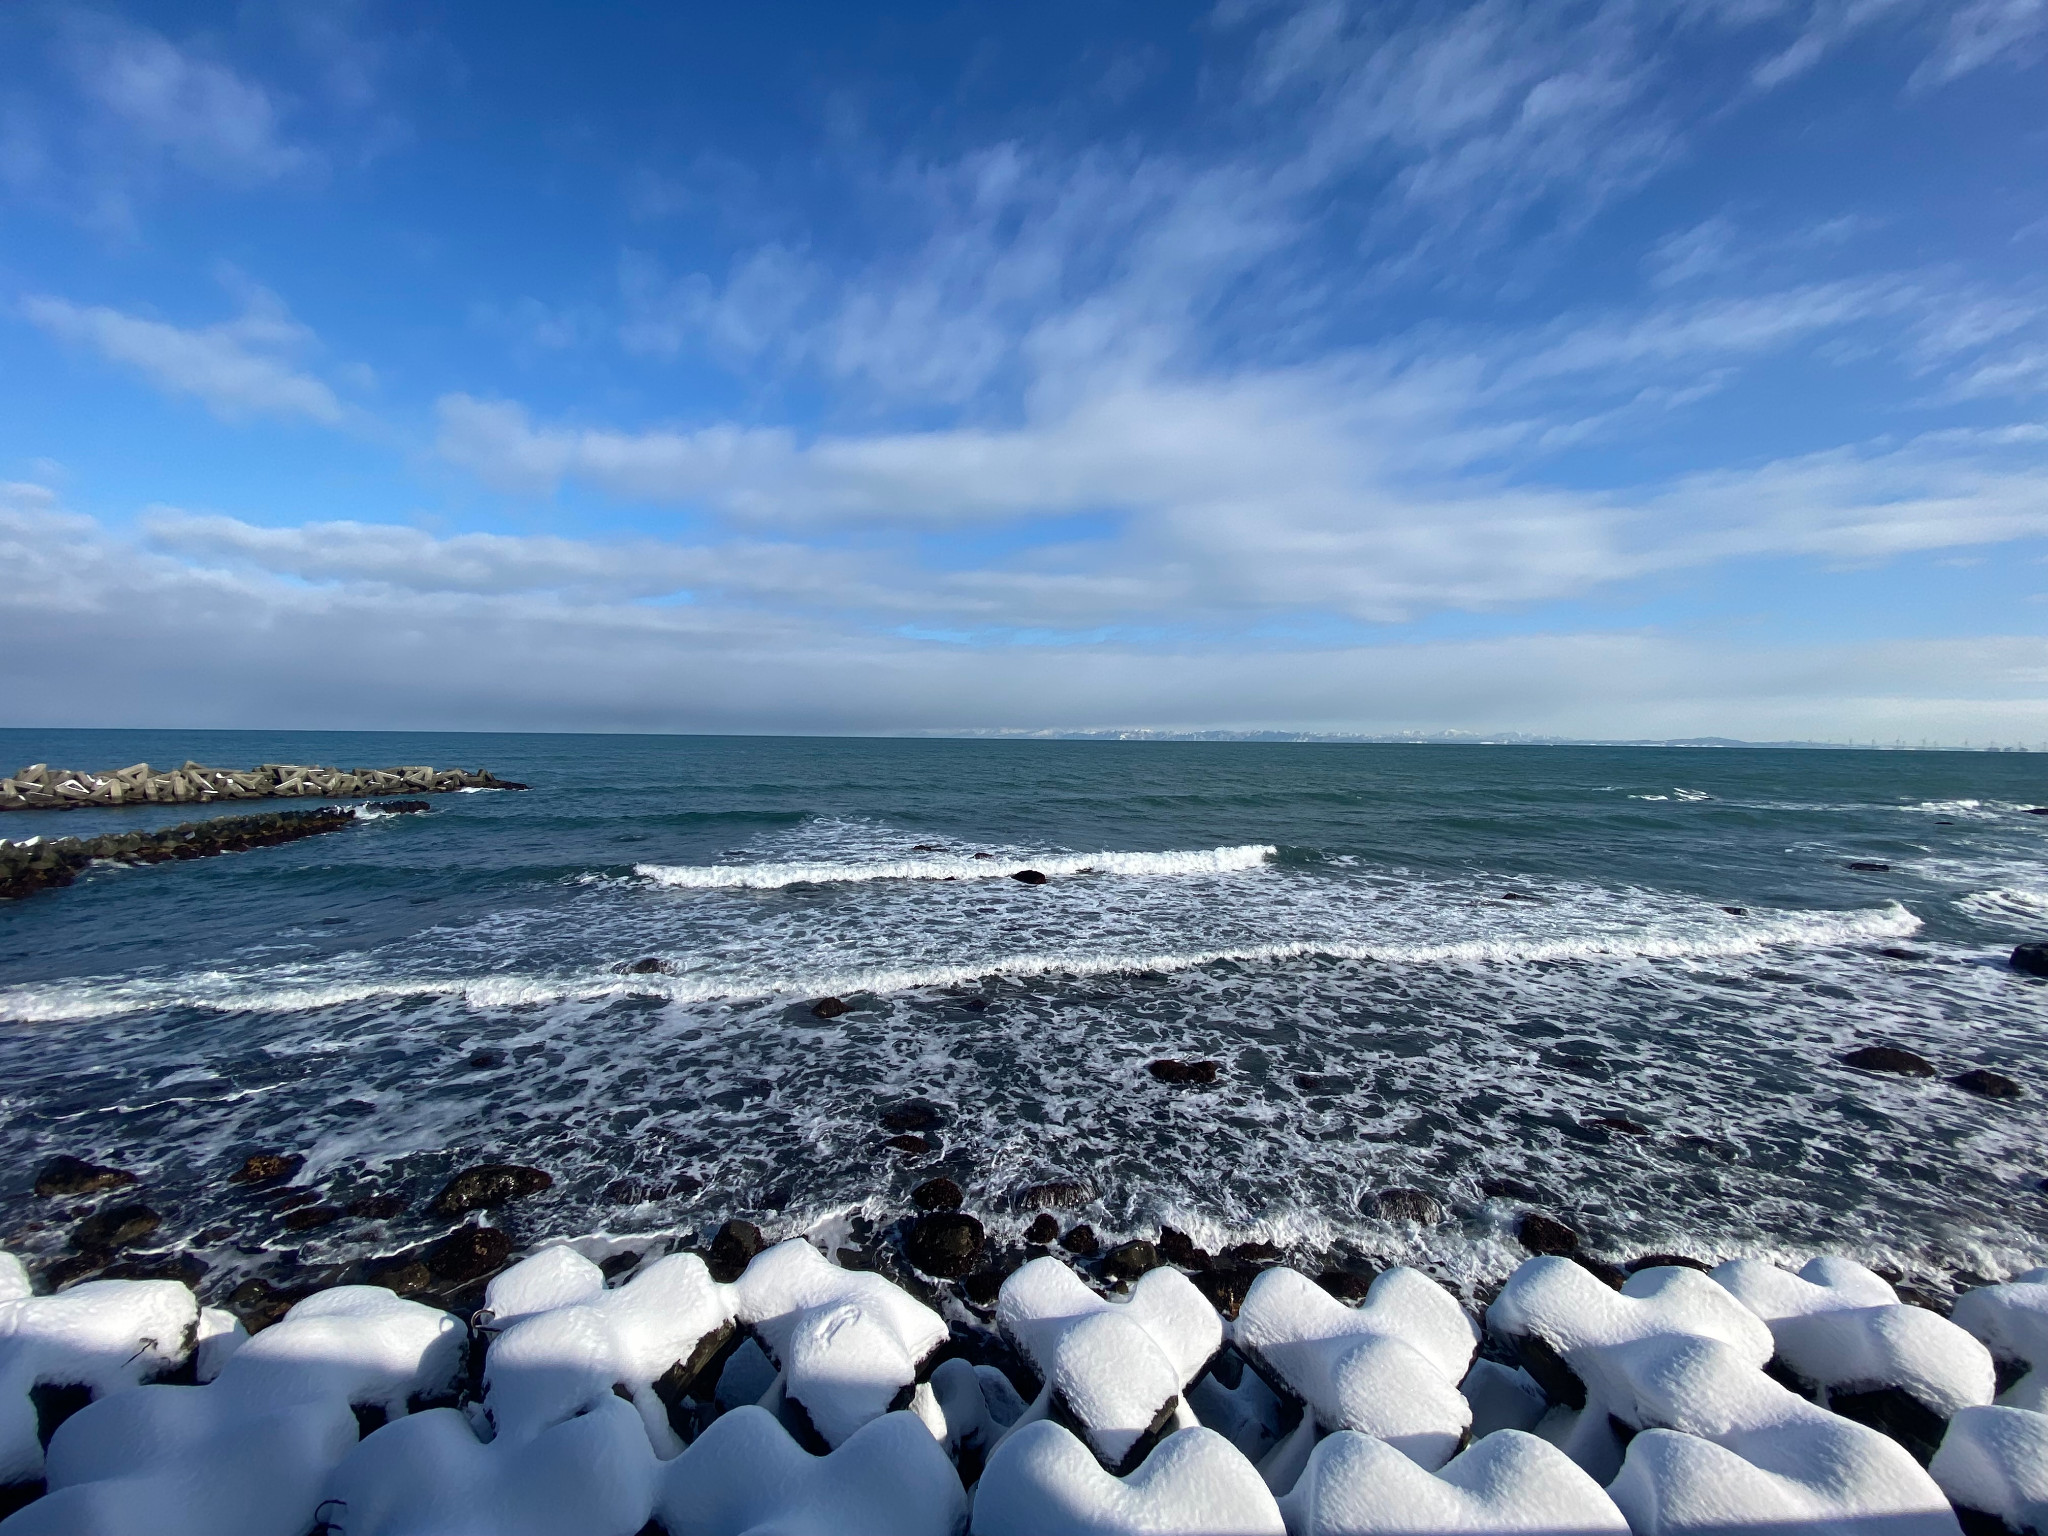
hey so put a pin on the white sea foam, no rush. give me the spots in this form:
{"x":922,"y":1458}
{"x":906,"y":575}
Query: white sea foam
{"x":768,"y":877}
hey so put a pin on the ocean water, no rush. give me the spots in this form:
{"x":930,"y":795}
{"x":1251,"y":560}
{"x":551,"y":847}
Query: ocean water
{"x":1418,"y":966}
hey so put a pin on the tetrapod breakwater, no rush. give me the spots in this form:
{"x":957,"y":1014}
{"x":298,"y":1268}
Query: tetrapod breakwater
{"x":39,"y":787}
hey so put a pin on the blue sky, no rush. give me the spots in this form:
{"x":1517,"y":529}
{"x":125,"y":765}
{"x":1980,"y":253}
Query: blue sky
{"x":1609,"y":369}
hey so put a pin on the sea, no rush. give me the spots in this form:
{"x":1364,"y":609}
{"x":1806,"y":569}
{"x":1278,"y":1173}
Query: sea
{"x":1615,"y":983}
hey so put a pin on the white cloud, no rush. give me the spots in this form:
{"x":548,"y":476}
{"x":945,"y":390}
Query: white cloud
{"x":240,"y":368}
{"x":1987,"y":32}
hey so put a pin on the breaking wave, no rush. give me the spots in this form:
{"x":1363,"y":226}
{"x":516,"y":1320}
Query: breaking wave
{"x":768,"y":877}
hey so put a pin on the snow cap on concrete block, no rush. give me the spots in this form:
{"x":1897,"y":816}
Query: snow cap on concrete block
{"x":1725,"y":1446}
{"x":1355,"y":1485}
{"x":745,"y":1474}
{"x":1502,"y":1397}
{"x":1841,"y":1327}
{"x":102,"y":1335}
{"x":1247,"y":1415}
{"x":1389,"y":1368}
{"x":554,"y":1365}
{"x":1569,"y":1309}
{"x":428,"y":1475}
{"x":554,"y":1277}
{"x":359,"y":1344}
{"x":14,"y":1281}
{"x":1995,"y":1460}
{"x":2012,"y":1320}
{"x":967,"y":1407}
{"x":188,"y":1461}
{"x":220,"y":1335}
{"x":1041,"y":1479}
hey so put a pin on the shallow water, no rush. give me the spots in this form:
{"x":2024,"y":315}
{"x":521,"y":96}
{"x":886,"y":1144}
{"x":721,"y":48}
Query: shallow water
{"x":1419,"y":966}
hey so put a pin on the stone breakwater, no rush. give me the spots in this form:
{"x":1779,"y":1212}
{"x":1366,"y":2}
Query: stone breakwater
{"x":40,"y":787}
{"x":918,"y":1386}
{"x":38,"y":864}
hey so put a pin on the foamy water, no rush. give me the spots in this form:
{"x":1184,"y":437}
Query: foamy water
{"x":1417,"y":968}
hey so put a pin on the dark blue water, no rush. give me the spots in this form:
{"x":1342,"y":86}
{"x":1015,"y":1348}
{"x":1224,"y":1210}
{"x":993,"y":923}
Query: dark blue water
{"x":1419,"y":967}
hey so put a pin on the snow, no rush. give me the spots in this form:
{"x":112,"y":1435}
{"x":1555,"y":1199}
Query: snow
{"x":967,"y":1407}
{"x":1502,"y":1398}
{"x":554,"y":1277}
{"x":14,"y":1281}
{"x":747,"y":1375}
{"x":1996,"y":1460}
{"x":2012,"y":1319}
{"x":247,"y":1454}
{"x":1042,"y":1480}
{"x":1389,"y":1368}
{"x":745,"y":1474}
{"x":1725,"y":1447}
{"x":848,"y":1342}
{"x":220,"y":1335}
{"x":104,"y":1334}
{"x":1355,"y":1485}
{"x":1248,"y":1415}
{"x":1117,"y":1368}
{"x":1842,"y":1328}
{"x":428,"y":1475}
{"x":553,"y":1365}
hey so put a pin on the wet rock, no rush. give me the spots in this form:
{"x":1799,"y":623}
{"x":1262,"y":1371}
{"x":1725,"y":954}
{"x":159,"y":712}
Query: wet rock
{"x":486,"y":1186}
{"x":1176,"y":1247}
{"x":1665,"y":1261}
{"x":944,"y":1244}
{"x":377,"y":1207}
{"x":468,"y":1253}
{"x":623,"y":1262}
{"x":1168,"y":1070}
{"x":1225,"y":1285}
{"x":984,"y":1286}
{"x":308,"y":1217}
{"x":186,"y":1268}
{"x":1322,"y":1082}
{"x":1054,"y":1195}
{"x":831,"y":1007}
{"x":1542,"y":1234}
{"x":1889,"y":1058}
{"x":1497,"y":1187}
{"x":1028,"y":877}
{"x":121,"y":1227}
{"x":1346,"y":1284}
{"x":1610,"y":1275}
{"x":909,"y":1146}
{"x":976,"y":1004}
{"x":1894,"y":952}
{"x":258,"y":1303}
{"x":1869,"y":867}
{"x":913,"y":1115}
{"x":73,"y":1266}
{"x":484,"y":1060}
{"x":2035,"y":810}
{"x":261,"y":1169}
{"x":1987,"y":1084}
{"x":1127,"y":1261}
{"x":1081,"y":1240}
{"x":1044,"y":1230}
{"x":67,"y":1175}
{"x":937,"y":1195}
{"x":2030,"y":958}
{"x":292,"y":1199}
{"x":652,"y":965}
{"x":1253,"y":1253}
{"x":406,"y":1274}
{"x":733,"y":1247}
{"x":1620,"y":1125}
{"x":1736,"y":911}
{"x":1408,"y":1205}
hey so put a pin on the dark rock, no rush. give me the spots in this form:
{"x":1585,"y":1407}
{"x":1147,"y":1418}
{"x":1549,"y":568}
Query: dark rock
{"x":74,"y":1266}
{"x":1081,"y":1240}
{"x":976,"y":1004}
{"x":1225,"y":1285}
{"x":404,"y":1273}
{"x":1987,"y":1084}
{"x":265,"y":1168}
{"x":621,"y":1263}
{"x":1028,"y":877}
{"x":258,"y":1303}
{"x":1043,"y":1231}
{"x":1408,"y":1205}
{"x":121,"y":1227}
{"x":2035,"y":810}
{"x":1610,"y":1275}
{"x":1322,"y":1082}
{"x":292,"y":1199}
{"x":1345,"y":1284}
{"x":984,"y":1286}
{"x":913,"y":1115}
{"x":1495,"y":1187}
{"x":1893,"y":952}
{"x":650,"y":966}
{"x":909,"y":1146}
{"x":377,"y":1207}
{"x":306,"y":1218}
{"x":733,"y":1247}
{"x":397,"y":807}
{"x":468,"y":1253}
{"x":1620,"y":1125}
{"x":831,"y":1007}
{"x":1253,"y":1253}
{"x":1736,"y":911}
{"x":1560,"y":1383}
{"x":1896,"y":1412}
{"x":1889,"y":1058}
{"x":1054,"y":1195}
{"x":186,"y":1268}
{"x":937,"y":1195}
{"x":67,"y":1175}
{"x":1170,"y":1071}
{"x":487,"y":1186}
{"x":1176,"y":1247}
{"x":944,"y":1244}
{"x":1665,"y":1261}
{"x":1541,"y":1234}
{"x":2030,"y":958}
{"x":1869,"y":867}
{"x":984,"y":855}
{"x":1127,"y":1261}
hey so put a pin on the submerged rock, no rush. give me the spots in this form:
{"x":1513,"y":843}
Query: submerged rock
{"x":651,"y":965}
{"x":68,"y":1175}
{"x":1028,"y":877}
{"x":831,"y":1007}
{"x":121,"y":1227}
{"x":909,"y":1146}
{"x":944,"y":1244}
{"x":2030,"y":958}
{"x":1543,"y":1234}
{"x":1043,"y":1231}
{"x":488,"y":1185}
{"x":733,"y":1247}
{"x":1081,"y":1240}
{"x":1408,"y":1205}
{"x":1168,"y":1070}
{"x":913,"y":1115}
{"x":468,"y":1253}
{"x":1869,"y":867}
{"x":1889,"y":1058}
{"x":1054,"y":1195}
{"x":264,"y":1168}
{"x":1127,"y":1261}
{"x":1987,"y":1084}
{"x":940,"y":1194}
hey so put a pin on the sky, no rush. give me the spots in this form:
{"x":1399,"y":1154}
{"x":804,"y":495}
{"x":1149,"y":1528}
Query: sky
{"x":1616,"y":370}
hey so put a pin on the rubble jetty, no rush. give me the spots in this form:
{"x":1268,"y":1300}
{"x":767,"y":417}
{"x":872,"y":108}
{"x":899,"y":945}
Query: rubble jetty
{"x":38,"y":864}
{"x":40,"y":787}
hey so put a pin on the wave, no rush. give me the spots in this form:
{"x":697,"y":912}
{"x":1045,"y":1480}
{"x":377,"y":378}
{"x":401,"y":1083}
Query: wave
{"x":2019,"y":908}
{"x":225,"y":993}
{"x":768,"y":877}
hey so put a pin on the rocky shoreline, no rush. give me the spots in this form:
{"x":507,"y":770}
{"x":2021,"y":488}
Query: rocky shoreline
{"x":40,"y":787}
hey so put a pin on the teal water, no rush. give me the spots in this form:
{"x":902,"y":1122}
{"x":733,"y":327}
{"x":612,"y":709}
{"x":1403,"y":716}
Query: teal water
{"x":1419,"y":966}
